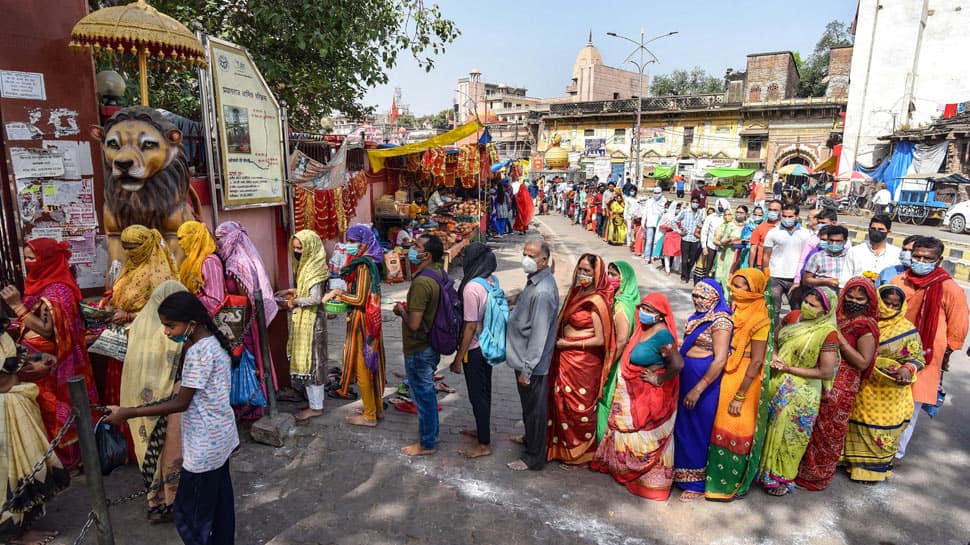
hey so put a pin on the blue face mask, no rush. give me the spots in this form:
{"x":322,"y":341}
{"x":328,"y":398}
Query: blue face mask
{"x":413,"y":256}
{"x":788,"y":223}
{"x":835,"y":247}
{"x":184,"y":337}
{"x":352,"y":249}
{"x":757,"y":219}
{"x":694,"y":205}
{"x":772,"y":215}
{"x":921,"y":269}
{"x":646,"y":318}
{"x":906,"y":258}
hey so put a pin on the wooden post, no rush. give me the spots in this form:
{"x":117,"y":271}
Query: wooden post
{"x":268,"y":369}
{"x":89,"y":456}
{"x":143,"y":76}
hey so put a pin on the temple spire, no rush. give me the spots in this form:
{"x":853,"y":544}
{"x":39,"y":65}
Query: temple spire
{"x":590,"y":40}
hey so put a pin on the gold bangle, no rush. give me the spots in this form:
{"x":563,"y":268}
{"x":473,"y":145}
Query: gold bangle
{"x":739,"y":397}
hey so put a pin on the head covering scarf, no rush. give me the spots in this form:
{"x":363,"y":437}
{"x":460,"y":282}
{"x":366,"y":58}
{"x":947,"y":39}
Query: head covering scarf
{"x":710,"y":307}
{"x":197,"y":243}
{"x":867,"y":322}
{"x":146,"y":267}
{"x":364,"y":236}
{"x":628,"y":296}
{"x":723,"y":204}
{"x":50,"y":267}
{"x":311,"y":269}
{"x":750,"y":313}
{"x":479,"y":262}
{"x":149,"y":375}
{"x":899,"y":341}
{"x":372,"y":258}
{"x":800,"y":344}
{"x":601,"y":299}
{"x":243,"y":262}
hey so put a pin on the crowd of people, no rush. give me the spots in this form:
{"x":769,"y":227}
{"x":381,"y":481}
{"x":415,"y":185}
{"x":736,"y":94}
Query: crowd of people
{"x":739,"y":394}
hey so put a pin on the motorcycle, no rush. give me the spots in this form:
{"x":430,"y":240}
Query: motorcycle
{"x":847,"y":203}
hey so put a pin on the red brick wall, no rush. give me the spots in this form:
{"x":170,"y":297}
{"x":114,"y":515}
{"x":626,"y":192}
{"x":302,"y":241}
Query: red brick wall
{"x":774,"y":71}
{"x":840,"y":61}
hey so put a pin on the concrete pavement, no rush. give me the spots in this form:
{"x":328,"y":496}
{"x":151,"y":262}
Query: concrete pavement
{"x":335,"y":484}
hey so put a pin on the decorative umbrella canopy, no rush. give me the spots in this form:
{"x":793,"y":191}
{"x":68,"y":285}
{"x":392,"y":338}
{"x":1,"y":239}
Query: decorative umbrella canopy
{"x":138,"y":29}
{"x":794,"y":170}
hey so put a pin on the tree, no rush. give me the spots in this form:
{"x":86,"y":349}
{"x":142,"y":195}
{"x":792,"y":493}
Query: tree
{"x":814,"y":70}
{"x":318,"y":57}
{"x":683,"y":82}
{"x":440,"y":120}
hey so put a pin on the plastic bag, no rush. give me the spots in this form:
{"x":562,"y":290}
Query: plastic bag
{"x":245,"y":388}
{"x":392,"y":262}
{"x":112,"y":447}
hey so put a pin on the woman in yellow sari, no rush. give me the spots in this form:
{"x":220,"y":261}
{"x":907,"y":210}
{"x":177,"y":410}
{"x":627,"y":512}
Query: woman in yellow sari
{"x":149,"y":376}
{"x":742,"y":410}
{"x":884,"y":403}
{"x":616,"y":225}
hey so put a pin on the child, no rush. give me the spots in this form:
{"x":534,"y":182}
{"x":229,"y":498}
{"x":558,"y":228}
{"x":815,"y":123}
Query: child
{"x":204,"y":511}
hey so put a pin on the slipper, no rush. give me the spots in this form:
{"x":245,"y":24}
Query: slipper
{"x":442,"y":387}
{"x":403,"y":389}
{"x":409,"y":407}
{"x":438,"y":377}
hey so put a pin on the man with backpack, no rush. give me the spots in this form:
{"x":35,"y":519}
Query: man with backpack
{"x":530,"y":338}
{"x":485,"y":313}
{"x":431,"y":303}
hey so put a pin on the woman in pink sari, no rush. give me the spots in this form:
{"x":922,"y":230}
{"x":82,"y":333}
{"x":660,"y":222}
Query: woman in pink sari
{"x":245,"y":275}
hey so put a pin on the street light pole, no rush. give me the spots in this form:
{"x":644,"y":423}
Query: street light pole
{"x":641,"y":66}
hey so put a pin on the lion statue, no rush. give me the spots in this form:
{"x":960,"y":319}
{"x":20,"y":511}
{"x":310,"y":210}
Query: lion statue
{"x":148,"y":180}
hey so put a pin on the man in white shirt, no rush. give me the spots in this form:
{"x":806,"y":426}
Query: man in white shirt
{"x":438,"y":199}
{"x":875,"y":255}
{"x":783,"y":247}
{"x":711,"y":224}
{"x":652,"y":211}
{"x":881,"y":200}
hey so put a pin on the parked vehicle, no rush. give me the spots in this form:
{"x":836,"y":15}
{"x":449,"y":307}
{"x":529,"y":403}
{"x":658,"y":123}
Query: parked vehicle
{"x":956,"y":217}
{"x":918,"y":202}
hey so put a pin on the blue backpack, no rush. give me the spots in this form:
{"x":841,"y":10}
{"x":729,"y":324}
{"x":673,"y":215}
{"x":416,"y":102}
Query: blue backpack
{"x":492,"y":337}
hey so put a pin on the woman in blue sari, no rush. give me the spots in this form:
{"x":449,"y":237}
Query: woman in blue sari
{"x":707,"y":343}
{"x":757,"y":217}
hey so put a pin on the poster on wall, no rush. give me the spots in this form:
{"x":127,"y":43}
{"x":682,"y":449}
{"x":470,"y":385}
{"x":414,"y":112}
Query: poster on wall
{"x":250,"y":129}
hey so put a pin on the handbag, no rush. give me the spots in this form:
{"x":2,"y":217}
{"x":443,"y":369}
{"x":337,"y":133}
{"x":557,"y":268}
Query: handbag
{"x":245,"y":388}
{"x":112,"y":342}
{"x":233,"y":320}
{"x":112,"y":447}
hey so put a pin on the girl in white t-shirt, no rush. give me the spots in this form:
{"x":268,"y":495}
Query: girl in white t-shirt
{"x":204,"y":508}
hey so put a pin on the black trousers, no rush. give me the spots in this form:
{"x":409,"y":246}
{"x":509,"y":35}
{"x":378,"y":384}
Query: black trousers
{"x":689,"y":251}
{"x":535,"y":408}
{"x":478,"y":380}
{"x":204,"y":509}
{"x":600,"y":224}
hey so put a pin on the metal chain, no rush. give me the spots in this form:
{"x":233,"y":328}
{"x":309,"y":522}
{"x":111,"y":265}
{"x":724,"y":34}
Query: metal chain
{"x":84,"y":529}
{"x":41,"y":464}
{"x":153,"y":488}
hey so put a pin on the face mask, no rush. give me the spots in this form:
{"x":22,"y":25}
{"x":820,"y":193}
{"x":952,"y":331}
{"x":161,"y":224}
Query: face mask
{"x":529,"y":265}
{"x":583,"y":280}
{"x":772,"y":215}
{"x":297,"y":255}
{"x":184,"y":336}
{"x":740,"y":218}
{"x":657,"y":197}
{"x":613,"y":282}
{"x":413,"y":256}
{"x":921,"y":269}
{"x":646,"y":318}
{"x":757,"y":219}
{"x":720,"y":209}
{"x":788,"y":223}
{"x":906,"y":258}
{"x":853,"y":307}
{"x":809,"y":312}
{"x":694,"y":205}
{"x":351,"y":249}
{"x":877,"y":236}
{"x":835,"y":247}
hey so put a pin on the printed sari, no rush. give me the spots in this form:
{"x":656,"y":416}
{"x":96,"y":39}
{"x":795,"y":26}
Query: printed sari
{"x":825,"y":447}
{"x":637,"y":448}
{"x":577,"y":375}
{"x":724,"y":258}
{"x":884,"y":407}
{"x":616,"y":225}
{"x":736,"y":441}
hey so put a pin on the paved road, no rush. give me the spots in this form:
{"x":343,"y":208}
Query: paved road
{"x":333,"y":484}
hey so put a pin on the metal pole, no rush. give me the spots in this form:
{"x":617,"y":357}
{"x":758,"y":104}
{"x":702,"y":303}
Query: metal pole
{"x":264,"y":352}
{"x":89,"y":456}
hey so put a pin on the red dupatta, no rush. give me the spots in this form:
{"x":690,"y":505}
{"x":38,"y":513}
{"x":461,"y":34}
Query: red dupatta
{"x":649,"y":411}
{"x":928,"y":316}
{"x":867,"y":322}
{"x":50,"y":267}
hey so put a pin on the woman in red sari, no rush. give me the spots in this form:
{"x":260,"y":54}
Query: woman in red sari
{"x":49,"y":321}
{"x":858,"y":331}
{"x":578,"y":371}
{"x":523,"y":209}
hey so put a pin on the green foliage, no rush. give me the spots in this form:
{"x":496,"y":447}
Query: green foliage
{"x":440,"y":120}
{"x":686,"y":82}
{"x":814,"y":69}
{"x":316,"y":56}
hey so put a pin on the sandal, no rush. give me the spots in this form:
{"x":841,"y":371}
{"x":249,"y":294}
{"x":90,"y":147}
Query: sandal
{"x":442,"y":387}
{"x":777,"y":491}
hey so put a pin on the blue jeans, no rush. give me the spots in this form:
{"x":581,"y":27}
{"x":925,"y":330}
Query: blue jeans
{"x":420,"y":368}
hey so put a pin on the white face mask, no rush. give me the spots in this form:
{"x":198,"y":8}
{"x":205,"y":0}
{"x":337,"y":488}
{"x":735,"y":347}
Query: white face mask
{"x":529,"y":265}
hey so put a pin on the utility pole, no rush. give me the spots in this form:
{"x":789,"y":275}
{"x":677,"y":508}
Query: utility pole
{"x":636,"y":59}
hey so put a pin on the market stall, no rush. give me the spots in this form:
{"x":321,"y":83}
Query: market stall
{"x":730,"y":182}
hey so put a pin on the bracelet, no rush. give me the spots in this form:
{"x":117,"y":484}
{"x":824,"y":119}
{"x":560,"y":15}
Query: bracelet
{"x":705,"y":381}
{"x":25,"y":312}
{"x":739,"y":397}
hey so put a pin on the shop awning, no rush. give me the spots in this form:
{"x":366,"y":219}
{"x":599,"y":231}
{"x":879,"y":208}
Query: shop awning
{"x":377,"y":157}
{"x":829,"y":165}
{"x":662,"y":173}
{"x":729,"y":172}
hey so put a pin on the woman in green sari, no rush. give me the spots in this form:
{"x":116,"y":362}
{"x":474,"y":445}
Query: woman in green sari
{"x":623,"y":277}
{"x":808,"y":353}
{"x":727,"y":237}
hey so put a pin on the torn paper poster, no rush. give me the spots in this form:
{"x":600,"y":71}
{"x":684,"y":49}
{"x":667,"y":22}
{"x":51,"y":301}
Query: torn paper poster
{"x":64,"y":122}
{"x":35,"y":163}
{"x":22,"y":131}
{"x":76,"y":155}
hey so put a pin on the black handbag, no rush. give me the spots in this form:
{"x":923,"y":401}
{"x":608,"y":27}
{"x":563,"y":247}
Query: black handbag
{"x":112,"y":447}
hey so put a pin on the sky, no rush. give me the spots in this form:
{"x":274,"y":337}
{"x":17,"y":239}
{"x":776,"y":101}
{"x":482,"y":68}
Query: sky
{"x":533,"y":43}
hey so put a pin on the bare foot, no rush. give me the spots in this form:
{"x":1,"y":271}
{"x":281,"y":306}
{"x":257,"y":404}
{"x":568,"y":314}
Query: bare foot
{"x":517,"y":465}
{"x":778,"y":491}
{"x":517,"y":439}
{"x":307,"y":414}
{"x":470,"y":433}
{"x":476,"y":451}
{"x":35,"y":537}
{"x":303,"y":406}
{"x":380,"y":414}
{"x":415,"y":449}
{"x":689,"y":495}
{"x":360,"y":420}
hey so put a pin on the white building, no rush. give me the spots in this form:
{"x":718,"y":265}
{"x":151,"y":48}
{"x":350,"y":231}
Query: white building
{"x":907,"y":63}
